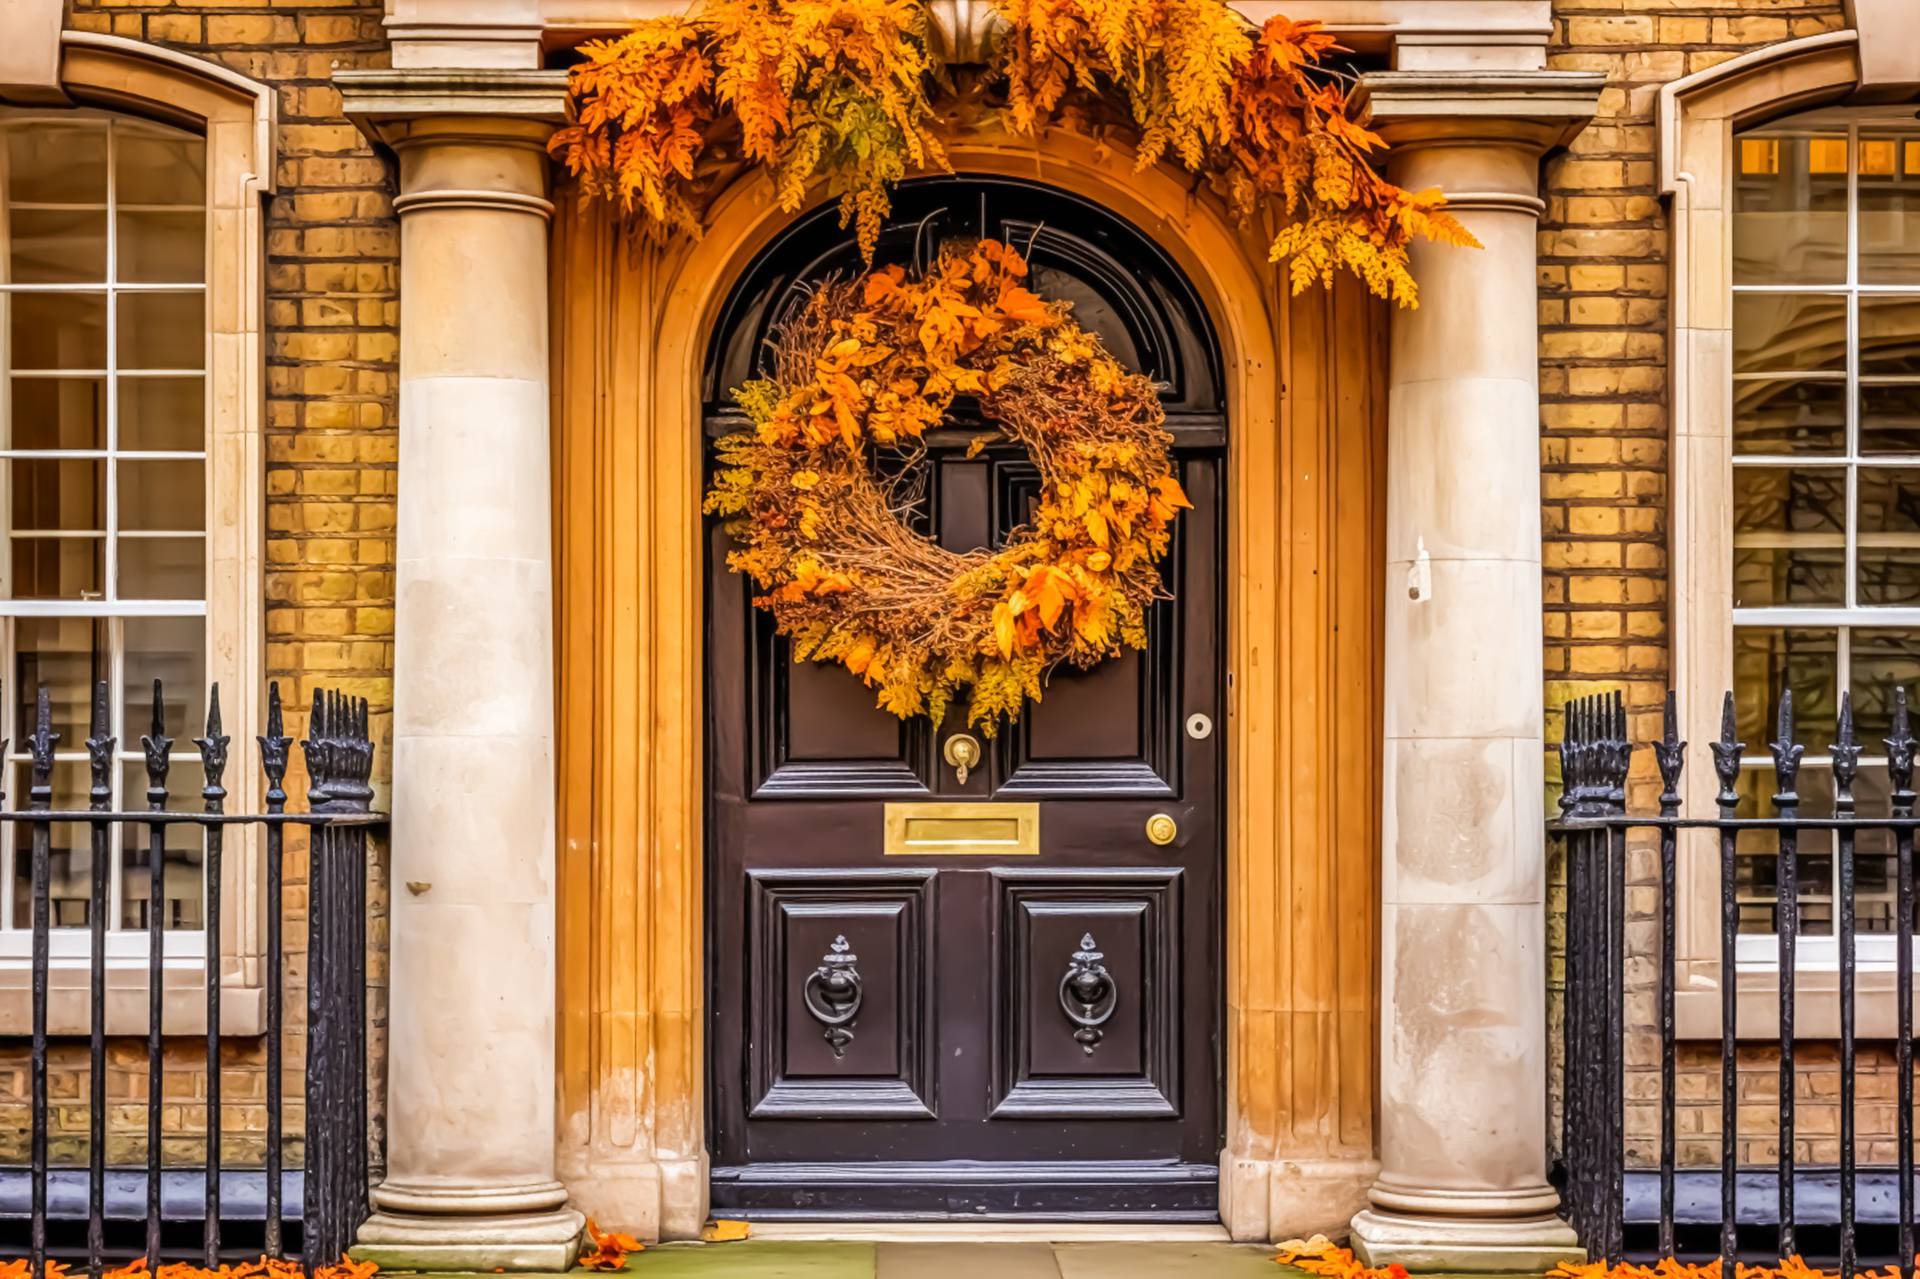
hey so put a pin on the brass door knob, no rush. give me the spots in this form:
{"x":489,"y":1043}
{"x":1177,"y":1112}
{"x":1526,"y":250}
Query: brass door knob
{"x":963,"y":752}
{"x":1162,"y":829}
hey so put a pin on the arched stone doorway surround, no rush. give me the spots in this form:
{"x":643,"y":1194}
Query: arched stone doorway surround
{"x":1306,"y":394}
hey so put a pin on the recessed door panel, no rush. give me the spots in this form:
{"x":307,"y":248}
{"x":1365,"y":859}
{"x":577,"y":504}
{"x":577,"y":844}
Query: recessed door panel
{"x":843,"y":994}
{"x":1088,"y":980}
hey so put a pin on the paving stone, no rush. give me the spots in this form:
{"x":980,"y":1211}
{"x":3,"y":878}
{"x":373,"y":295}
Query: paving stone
{"x":974,"y":1261}
{"x":755,"y":1259}
{"x":1165,"y":1261}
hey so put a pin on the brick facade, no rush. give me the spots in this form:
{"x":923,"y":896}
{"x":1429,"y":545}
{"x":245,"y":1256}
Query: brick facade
{"x":332,"y":312}
{"x":1604,"y":285}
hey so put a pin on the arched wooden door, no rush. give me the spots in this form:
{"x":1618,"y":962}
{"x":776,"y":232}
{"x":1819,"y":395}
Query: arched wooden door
{"x":966,"y":1082}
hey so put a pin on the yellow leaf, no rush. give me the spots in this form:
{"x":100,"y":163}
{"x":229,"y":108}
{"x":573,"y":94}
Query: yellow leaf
{"x":726,"y":1231}
{"x":1096,"y":526}
{"x":805,"y":479}
{"x":1003,"y":629}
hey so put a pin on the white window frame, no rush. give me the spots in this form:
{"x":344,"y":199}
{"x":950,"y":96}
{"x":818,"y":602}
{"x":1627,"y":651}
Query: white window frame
{"x":237,"y":117}
{"x":66,"y":944}
{"x":1698,"y":119}
{"x":1817,"y":953}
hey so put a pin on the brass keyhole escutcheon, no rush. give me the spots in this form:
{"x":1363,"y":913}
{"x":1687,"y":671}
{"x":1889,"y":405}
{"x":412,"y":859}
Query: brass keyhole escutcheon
{"x":963,"y":752}
{"x":1162,"y":829}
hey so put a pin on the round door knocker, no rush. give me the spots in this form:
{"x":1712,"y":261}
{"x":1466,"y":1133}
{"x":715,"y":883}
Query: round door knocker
{"x":833,"y":994}
{"x":1088,"y":995}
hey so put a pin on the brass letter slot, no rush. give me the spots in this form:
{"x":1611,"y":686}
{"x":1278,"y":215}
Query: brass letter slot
{"x":963,"y":830}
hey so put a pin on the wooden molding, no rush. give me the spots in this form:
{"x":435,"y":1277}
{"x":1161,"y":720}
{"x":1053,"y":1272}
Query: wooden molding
{"x":1306,"y":560}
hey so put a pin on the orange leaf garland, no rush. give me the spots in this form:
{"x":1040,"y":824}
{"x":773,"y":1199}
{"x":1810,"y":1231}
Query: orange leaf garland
{"x":837,"y":92}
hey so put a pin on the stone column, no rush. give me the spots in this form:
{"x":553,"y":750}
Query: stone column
{"x":470,"y":1179}
{"x":1463,"y":1074}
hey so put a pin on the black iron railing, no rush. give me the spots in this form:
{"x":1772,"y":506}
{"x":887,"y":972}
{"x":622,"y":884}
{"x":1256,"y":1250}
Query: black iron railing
{"x":327,"y":1199}
{"x":1601,"y":1190}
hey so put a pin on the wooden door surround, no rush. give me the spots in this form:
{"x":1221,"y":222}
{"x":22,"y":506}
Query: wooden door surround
{"x":1305,"y":557}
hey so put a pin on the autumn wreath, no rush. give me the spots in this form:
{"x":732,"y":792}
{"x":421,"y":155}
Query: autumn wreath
{"x":821,"y":489}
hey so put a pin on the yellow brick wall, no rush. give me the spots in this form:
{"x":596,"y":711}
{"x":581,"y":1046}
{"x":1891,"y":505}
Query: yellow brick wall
{"x":1604,"y":287}
{"x":332,"y":308}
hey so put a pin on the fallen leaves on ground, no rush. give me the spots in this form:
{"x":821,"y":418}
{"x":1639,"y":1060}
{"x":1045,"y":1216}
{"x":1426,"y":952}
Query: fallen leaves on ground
{"x":723,"y":1231}
{"x":1321,"y":1256}
{"x":610,"y":1249}
{"x":264,"y":1268}
{"x":1670,"y":1268}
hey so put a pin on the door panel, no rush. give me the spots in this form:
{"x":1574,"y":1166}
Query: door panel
{"x":1114,"y":1047}
{"x":934,"y":1036}
{"x":817,"y":1054}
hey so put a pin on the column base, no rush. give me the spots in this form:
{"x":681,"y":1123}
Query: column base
{"x":545,"y":1241}
{"x":1518,"y":1245}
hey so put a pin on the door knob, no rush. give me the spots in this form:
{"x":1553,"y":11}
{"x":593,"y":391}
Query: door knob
{"x":963,"y":752}
{"x":1162,"y":829}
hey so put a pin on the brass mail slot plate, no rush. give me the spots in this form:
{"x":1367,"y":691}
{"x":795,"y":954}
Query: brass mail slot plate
{"x":963,"y":830}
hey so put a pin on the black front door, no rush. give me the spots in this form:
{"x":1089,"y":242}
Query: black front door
{"x":942,"y":995}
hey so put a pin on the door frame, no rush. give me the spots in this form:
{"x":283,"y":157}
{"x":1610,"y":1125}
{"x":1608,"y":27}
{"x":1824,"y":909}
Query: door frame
{"x":631,"y":323}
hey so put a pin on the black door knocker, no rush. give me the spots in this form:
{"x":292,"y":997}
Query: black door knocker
{"x":833,"y":995}
{"x":1088,"y":995}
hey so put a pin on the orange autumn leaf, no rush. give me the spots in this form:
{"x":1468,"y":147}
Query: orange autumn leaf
{"x":610,"y":1249}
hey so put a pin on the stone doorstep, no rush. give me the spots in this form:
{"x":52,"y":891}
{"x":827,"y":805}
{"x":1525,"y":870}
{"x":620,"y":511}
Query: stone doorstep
{"x":820,"y":1259}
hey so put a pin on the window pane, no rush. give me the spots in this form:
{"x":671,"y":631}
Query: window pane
{"x":1789,"y":332}
{"x":1790,"y":210}
{"x":158,"y":165}
{"x":1889,"y":530}
{"x":174,"y":651}
{"x":163,"y":568}
{"x":1889,"y":336}
{"x":1767,"y":660}
{"x":70,"y":853}
{"x":1789,"y":535}
{"x":182,"y":861}
{"x":53,"y":161}
{"x":162,"y":247}
{"x":162,"y":496}
{"x":57,"y":246}
{"x":58,"y":413}
{"x":58,"y":330}
{"x":50,"y":493}
{"x":1790,"y":416}
{"x":1889,"y":208}
{"x":161,"y":331}
{"x":1759,"y":865}
{"x":1890,"y":418}
{"x":1882,"y":659}
{"x":64,"y":568}
{"x":67,"y":654}
{"x":162,"y":414}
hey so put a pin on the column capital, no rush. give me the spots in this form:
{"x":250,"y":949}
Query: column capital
{"x":395,"y":106}
{"x":464,"y":139}
{"x":1529,"y":110}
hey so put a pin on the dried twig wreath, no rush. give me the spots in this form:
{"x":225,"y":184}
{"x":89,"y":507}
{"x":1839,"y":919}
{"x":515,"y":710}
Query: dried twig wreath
{"x":821,"y":491}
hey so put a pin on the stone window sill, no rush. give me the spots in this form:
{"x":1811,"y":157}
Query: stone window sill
{"x":1816,"y":1014}
{"x":183,"y":1012}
